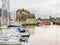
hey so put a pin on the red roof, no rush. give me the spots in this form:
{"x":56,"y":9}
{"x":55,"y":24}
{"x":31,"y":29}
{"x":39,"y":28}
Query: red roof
{"x":45,"y":22}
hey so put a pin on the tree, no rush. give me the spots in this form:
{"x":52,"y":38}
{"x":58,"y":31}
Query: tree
{"x":39,"y":18}
{"x":51,"y":18}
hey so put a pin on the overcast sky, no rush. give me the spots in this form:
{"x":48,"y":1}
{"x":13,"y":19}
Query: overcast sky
{"x":42,"y":8}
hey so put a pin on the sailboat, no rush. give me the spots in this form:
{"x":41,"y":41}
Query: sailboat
{"x":9,"y":36}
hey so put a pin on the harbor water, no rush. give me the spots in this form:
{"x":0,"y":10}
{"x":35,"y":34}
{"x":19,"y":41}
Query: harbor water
{"x":43,"y":35}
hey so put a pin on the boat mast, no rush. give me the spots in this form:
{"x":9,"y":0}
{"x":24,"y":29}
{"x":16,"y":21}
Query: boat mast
{"x":5,"y":12}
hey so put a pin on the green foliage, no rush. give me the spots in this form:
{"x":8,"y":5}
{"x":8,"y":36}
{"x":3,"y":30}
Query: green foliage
{"x":39,"y":18}
{"x":51,"y":18}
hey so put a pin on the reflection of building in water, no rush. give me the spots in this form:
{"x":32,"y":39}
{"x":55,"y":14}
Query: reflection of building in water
{"x":5,"y":12}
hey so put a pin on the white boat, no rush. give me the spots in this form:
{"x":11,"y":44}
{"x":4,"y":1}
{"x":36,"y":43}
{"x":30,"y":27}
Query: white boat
{"x":22,"y":32}
{"x":24,"y":35}
{"x":9,"y":36}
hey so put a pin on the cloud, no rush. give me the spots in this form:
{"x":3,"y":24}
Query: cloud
{"x":31,"y":3}
{"x":47,"y":7}
{"x":0,"y":4}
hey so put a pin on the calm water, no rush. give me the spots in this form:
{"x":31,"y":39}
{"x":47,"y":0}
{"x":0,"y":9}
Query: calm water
{"x":44,"y":35}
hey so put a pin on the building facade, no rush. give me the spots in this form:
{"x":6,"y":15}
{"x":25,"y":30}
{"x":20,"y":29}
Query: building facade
{"x":22,"y":14}
{"x":25,"y":17}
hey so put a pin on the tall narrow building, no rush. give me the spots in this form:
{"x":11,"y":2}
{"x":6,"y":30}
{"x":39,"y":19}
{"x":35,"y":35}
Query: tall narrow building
{"x":5,"y":12}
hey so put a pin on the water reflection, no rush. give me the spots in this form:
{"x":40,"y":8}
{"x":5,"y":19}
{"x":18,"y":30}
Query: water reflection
{"x":30,"y":29}
{"x":42,"y":36}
